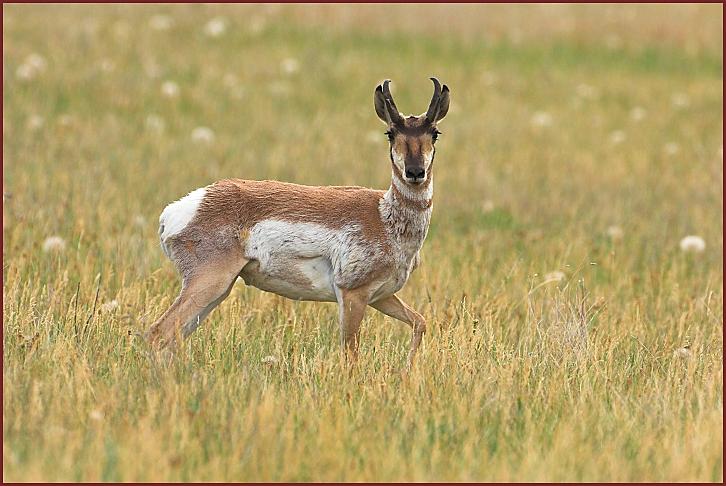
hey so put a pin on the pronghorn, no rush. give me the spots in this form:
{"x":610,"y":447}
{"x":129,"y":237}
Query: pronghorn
{"x":346,"y":244}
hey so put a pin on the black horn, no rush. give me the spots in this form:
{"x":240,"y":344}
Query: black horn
{"x":388,"y":95}
{"x":390,"y":104}
{"x":434,"y":105}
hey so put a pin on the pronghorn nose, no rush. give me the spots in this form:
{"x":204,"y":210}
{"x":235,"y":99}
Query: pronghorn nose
{"x":415,"y":173}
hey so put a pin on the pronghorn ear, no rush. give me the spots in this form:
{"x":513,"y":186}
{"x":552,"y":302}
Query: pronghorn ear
{"x":443,"y":103}
{"x":379,"y":102}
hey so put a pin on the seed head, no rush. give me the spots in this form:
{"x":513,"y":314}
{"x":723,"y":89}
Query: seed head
{"x":693,"y":244}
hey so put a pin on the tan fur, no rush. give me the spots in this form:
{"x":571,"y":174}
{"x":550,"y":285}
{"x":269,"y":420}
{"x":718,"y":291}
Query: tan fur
{"x":292,"y":275}
{"x":246,"y":202}
{"x":232,"y":206}
{"x":352,"y":309}
{"x":413,"y":137}
{"x":200,"y":293}
{"x":394,"y":307}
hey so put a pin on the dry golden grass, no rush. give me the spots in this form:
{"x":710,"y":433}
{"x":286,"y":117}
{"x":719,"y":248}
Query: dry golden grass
{"x":566,"y":121}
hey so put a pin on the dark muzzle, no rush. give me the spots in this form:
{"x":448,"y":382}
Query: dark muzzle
{"x":415,"y":174}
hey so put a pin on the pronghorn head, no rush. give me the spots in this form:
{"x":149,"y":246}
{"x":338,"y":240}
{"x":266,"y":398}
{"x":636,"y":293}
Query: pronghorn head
{"x":412,"y":138}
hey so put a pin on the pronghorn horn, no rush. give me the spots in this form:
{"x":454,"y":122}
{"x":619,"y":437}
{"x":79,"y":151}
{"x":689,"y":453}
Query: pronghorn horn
{"x":387,"y":94}
{"x":434,"y":105}
{"x":390,"y":104}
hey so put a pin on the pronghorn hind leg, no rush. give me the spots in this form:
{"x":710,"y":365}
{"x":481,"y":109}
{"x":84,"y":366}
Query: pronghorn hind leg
{"x":201,"y":292}
{"x":352,"y":307}
{"x":394,"y":307}
{"x":190,"y":326}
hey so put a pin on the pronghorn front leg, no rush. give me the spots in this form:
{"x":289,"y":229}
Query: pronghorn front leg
{"x":352,"y":307}
{"x":398,"y":309}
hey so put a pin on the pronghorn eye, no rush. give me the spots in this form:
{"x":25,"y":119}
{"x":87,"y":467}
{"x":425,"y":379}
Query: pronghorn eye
{"x":389,"y":134}
{"x":435,"y":135}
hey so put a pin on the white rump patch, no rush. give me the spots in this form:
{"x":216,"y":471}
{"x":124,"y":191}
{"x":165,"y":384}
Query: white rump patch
{"x":177,"y":215}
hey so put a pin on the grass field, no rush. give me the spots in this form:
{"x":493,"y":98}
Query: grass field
{"x":584,"y":140}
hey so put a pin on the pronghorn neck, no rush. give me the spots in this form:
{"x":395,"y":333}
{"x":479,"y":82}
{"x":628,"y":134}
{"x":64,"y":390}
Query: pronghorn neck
{"x":406,"y":212}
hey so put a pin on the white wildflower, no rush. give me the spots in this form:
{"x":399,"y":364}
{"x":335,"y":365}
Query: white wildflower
{"x":693,"y":244}
{"x":638,"y":113}
{"x":152,"y":69}
{"x":203,"y":135}
{"x":170,"y":89}
{"x":671,"y":148}
{"x":290,"y":65}
{"x":683,"y":352}
{"x":541,"y":119}
{"x":121,"y":30}
{"x":257,"y":25}
{"x":586,"y":91}
{"x":25,"y":72}
{"x":279,"y":88}
{"x":680,"y":100}
{"x":139,"y":221}
{"x":615,"y":233}
{"x":106,"y":65}
{"x":108,"y":307}
{"x":155,"y":123}
{"x":96,"y":415}
{"x":269,"y":360}
{"x":32,"y":66}
{"x":54,"y":243}
{"x":35,"y":122}
{"x":215,"y":27}
{"x":160,"y":22}
{"x":488,"y":78}
{"x":230,"y":80}
{"x":65,"y":120}
{"x":36,"y":61}
{"x":617,"y":137}
{"x":555,"y":276}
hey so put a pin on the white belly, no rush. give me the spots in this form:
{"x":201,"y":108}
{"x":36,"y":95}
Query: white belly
{"x":294,"y":278}
{"x":307,"y":261}
{"x":295,"y":260}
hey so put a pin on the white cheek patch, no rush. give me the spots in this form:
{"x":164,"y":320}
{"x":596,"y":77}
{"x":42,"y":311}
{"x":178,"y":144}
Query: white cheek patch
{"x":398,"y":160}
{"x":177,"y":215}
{"x":428,"y":158}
